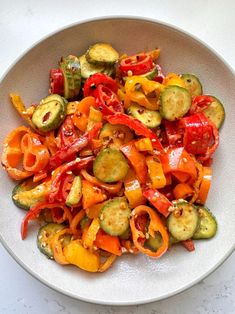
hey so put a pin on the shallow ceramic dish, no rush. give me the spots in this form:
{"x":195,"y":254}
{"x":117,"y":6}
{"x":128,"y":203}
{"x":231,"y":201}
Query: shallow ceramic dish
{"x":132,"y":279}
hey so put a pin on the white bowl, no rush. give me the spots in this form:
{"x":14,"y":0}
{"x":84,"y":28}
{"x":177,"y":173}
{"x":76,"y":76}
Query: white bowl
{"x":132,"y":279}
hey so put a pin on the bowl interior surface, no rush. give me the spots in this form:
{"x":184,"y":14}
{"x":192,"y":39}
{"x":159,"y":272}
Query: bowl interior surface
{"x":132,"y":279}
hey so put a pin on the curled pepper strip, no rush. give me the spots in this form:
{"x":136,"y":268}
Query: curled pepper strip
{"x":57,"y":247}
{"x":34,"y":212}
{"x":155,"y":225}
{"x":12,"y":154}
{"x":138,"y":127}
{"x":58,"y":175}
{"x":36,"y":155}
{"x":75,"y":221}
{"x":108,"y":263}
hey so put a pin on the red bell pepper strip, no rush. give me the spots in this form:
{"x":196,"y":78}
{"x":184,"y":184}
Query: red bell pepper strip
{"x":97,"y":79}
{"x":56,"y":180}
{"x":67,"y":132}
{"x":56,"y":82}
{"x":137,"y":64}
{"x":94,"y":132}
{"x":158,"y":200}
{"x":172,"y":132}
{"x":68,"y":152}
{"x":200,"y":103}
{"x":189,"y":245}
{"x":34,"y":212}
{"x":107,"y":101}
{"x":137,"y":161}
{"x":199,"y":135}
{"x":138,"y":127}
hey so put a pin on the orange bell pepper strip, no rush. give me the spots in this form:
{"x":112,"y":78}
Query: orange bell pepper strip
{"x":156,"y":174}
{"x":178,"y":162}
{"x":36,"y":155}
{"x":91,"y":233}
{"x":108,"y":243}
{"x":75,"y":221}
{"x":12,"y":154}
{"x":51,"y":143}
{"x":155,"y":225}
{"x":129,"y":246}
{"x":94,"y":211}
{"x":111,"y":188}
{"x":91,"y":194}
{"x":205,"y":185}
{"x":42,"y":174}
{"x":133,"y":190}
{"x":144,"y":144}
{"x":57,"y":247}
{"x":81,"y":257}
{"x":108,"y":263}
{"x":189,"y":245}
{"x":137,"y":161}
{"x":182,"y":191}
{"x":80,"y":117}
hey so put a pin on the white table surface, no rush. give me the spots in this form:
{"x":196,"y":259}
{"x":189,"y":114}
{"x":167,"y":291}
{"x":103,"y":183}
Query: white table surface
{"x":22,"y":23}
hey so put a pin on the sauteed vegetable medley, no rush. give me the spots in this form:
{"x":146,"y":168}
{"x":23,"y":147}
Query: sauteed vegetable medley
{"x":116,"y":159}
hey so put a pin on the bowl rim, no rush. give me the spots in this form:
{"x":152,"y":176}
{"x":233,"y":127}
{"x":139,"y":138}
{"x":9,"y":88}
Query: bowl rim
{"x":23,"y":54}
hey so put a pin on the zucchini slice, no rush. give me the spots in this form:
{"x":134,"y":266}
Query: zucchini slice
{"x":150,"y":118}
{"x":183,"y":221}
{"x":207,"y":226}
{"x":115,"y":135}
{"x":71,"y":69}
{"x":154,"y":243}
{"x":45,"y":234}
{"x":88,"y":69}
{"x":50,"y":113}
{"x":149,"y":75}
{"x":114,"y":216}
{"x":110,"y":165}
{"x":28,"y":194}
{"x":175,"y":102}
{"x":215,"y":112}
{"x":75,"y":192}
{"x":192,"y":84}
{"x":102,"y":53}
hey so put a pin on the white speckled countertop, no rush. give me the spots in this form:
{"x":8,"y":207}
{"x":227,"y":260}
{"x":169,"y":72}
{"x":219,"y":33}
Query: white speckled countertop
{"x":22,"y":23}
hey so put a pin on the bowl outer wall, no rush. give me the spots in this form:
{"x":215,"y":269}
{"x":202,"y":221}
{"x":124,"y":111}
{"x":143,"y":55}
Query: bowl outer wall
{"x":132,"y":279}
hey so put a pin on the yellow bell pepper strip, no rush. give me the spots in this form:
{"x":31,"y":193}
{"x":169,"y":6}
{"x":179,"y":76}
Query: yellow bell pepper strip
{"x":137,"y":160}
{"x":155,"y":225}
{"x":158,"y":200}
{"x":71,"y":107}
{"x":111,"y":188}
{"x":57,"y":247}
{"x":83,"y":258}
{"x":75,"y":221}
{"x":156,"y":174}
{"x":80,"y":117}
{"x":182,"y":191}
{"x":107,"y":264}
{"x":205,"y":185}
{"x":91,"y":194}
{"x":21,"y":109}
{"x":12,"y":154}
{"x":91,"y":233}
{"x":108,"y":243}
{"x":178,"y":162}
{"x":94,"y":116}
{"x":141,"y":97}
{"x":173,"y":79}
{"x":133,"y":190}
{"x":138,"y":127}
{"x":144,"y":144}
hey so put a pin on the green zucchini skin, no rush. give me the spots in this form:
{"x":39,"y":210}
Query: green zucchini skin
{"x":102,"y":54}
{"x":27,"y":194}
{"x":207,"y":226}
{"x":75,"y":193}
{"x":183,"y":221}
{"x":215,"y":112}
{"x":110,"y":165}
{"x":175,"y":101}
{"x":45,"y":234}
{"x":192,"y":84}
{"x":71,"y":69}
{"x":50,"y":113}
{"x":115,"y":216}
{"x":150,"y":118}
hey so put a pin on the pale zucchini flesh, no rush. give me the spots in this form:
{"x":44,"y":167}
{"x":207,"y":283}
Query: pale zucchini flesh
{"x":215,"y":112}
{"x":192,"y":84}
{"x":102,"y":53}
{"x":150,"y":118}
